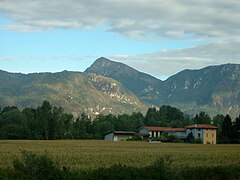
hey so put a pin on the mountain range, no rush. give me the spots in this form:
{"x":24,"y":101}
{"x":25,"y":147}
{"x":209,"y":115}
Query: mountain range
{"x":213,"y":89}
{"x":113,"y":87}
{"x":76,"y":92}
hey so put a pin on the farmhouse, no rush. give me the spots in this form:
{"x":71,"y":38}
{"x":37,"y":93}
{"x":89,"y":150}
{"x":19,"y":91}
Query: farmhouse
{"x":205,"y":132}
{"x":119,"y":135}
{"x":155,"y":132}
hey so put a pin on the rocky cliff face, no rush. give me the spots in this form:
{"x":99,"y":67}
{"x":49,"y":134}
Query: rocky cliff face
{"x":213,"y":89}
{"x":144,"y":86}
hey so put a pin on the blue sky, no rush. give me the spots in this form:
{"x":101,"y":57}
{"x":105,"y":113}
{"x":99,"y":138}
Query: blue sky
{"x":157,"y":37}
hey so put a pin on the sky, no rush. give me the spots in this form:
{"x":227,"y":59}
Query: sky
{"x":157,"y":37}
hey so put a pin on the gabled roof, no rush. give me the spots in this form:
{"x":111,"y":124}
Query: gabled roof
{"x":201,"y":126}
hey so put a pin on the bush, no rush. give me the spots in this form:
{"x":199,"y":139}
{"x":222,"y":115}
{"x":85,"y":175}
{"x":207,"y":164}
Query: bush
{"x":32,"y":166}
{"x":135,"y":137}
{"x":38,"y":167}
{"x":168,"y":138}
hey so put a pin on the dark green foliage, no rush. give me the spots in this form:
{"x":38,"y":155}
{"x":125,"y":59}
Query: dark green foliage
{"x":227,"y":129}
{"x":135,"y":137}
{"x":40,"y":167}
{"x":168,"y":138}
{"x":215,"y":172}
{"x":202,"y":118}
{"x":48,"y":122}
{"x":166,"y":116}
{"x":13,"y":124}
{"x":190,"y":139}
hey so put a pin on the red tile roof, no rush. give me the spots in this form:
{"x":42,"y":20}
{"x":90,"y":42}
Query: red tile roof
{"x":155,"y":128}
{"x":177,"y":129}
{"x":201,"y":126}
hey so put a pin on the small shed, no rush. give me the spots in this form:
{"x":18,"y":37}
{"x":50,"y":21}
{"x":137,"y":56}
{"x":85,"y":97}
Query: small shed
{"x":119,"y":135}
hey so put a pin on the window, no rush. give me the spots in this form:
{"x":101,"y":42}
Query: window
{"x":212,"y":135}
{"x":206,"y":135}
{"x":199,"y":129}
{"x":199,"y":135}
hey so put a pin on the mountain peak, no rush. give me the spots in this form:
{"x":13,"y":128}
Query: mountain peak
{"x":104,"y":66}
{"x":139,"y":83}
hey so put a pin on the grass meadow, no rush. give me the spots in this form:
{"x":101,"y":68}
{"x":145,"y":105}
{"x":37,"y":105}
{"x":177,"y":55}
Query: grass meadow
{"x":94,"y":154}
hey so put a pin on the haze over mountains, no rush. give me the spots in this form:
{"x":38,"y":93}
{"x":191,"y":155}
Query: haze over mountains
{"x":112,"y":87}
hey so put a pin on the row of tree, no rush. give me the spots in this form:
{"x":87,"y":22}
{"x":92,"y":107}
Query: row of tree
{"x":48,"y":122}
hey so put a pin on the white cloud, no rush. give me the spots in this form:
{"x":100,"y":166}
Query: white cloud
{"x":169,"y":62}
{"x":206,"y":21}
{"x":218,"y":20}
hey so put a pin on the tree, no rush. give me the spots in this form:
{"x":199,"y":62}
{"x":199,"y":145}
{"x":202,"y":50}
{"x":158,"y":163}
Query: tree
{"x":32,"y":123}
{"x":8,"y":108}
{"x":151,"y":117}
{"x":217,"y":121}
{"x":238,"y":126}
{"x":171,"y":116}
{"x":190,"y":138}
{"x":227,"y":129}
{"x":238,"y":123}
{"x":202,"y":118}
{"x":45,"y":116}
{"x":138,"y":120}
{"x":14,"y":125}
{"x":81,"y":127}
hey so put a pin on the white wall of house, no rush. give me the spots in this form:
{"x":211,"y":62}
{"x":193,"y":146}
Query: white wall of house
{"x":122,"y":137}
{"x":109,"y":137}
{"x":181,"y":134}
{"x":117,"y":137}
{"x":197,"y":133}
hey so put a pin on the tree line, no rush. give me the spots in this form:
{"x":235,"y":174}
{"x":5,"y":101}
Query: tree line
{"x":47,"y":122}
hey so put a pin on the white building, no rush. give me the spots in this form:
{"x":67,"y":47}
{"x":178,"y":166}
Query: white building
{"x":155,"y":132}
{"x":119,"y":135}
{"x":205,"y":132}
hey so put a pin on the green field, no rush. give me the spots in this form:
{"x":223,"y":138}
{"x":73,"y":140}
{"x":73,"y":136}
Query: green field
{"x":93,"y":154}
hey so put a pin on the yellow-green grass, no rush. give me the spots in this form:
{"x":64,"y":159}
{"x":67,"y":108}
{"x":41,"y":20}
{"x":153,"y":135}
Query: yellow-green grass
{"x":93,"y":154}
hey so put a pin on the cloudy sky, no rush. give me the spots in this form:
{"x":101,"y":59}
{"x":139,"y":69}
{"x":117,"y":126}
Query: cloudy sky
{"x":158,"y":37}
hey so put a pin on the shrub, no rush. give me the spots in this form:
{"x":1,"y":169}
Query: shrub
{"x":135,"y":137}
{"x":168,"y":138}
{"x":32,"y":166}
{"x":161,"y":169}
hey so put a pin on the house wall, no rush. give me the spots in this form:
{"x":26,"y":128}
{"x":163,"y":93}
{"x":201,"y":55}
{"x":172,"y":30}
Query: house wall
{"x":109,"y":137}
{"x":209,"y":136}
{"x":197,"y":133}
{"x":121,"y":137}
{"x":144,"y":131}
{"x":181,"y":134}
{"x":205,"y":135}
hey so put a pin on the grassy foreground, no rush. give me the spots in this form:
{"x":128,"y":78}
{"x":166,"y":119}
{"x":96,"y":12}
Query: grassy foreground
{"x":86,"y":154}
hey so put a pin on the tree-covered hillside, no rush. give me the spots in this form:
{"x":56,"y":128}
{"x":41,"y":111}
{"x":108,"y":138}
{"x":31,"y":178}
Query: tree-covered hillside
{"x":75,"y":92}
